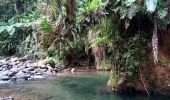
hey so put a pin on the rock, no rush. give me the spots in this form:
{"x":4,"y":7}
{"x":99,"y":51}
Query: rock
{"x":3,"y":61}
{"x":5,"y":73}
{"x":37,"y":77}
{"x":30,"y":68}
{"x":44,"y":70}
{"x":38,"y":73}
{"x":67,"y":70}
{"x":4,"y":78}
{"x":25,"y":58}
{"x":58,"y":69}
{"x":12,"y":73}
{"x":4,"y":66}
{"x":49,"y":68}
{"x":14,"y":69}
{"x":73,"y":70}
{"x":14,"y":59}
{"x":19,"y":74}
{"x":1,"y":68}
{"x":43,"y":67}
{"x":34,"y":65}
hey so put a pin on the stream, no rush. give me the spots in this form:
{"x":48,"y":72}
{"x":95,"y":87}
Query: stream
{"x":68,"y":86}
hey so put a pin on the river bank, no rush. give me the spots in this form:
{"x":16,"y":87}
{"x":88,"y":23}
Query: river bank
{"x":20,"y":69}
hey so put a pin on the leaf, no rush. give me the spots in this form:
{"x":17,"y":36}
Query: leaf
{"x":3,"y":23}
{"x":151,"y":5}
{"x":9,"y":28}
{"x":129,"y":2}
{"x":132,"y":11}
{"x":162,"y":13}
{"x":2,"y":28}
{"x":12,"y":31}
{"x":18,"y":25}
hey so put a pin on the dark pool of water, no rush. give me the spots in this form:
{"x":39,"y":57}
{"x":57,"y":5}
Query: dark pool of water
{"x":78,"y":86}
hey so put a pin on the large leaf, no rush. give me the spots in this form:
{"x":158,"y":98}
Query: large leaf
{"x":12,"y":31}
{"x":18,"y":25}
{"x":9,"y":28}
{"x":2,"y":28}
{"x":151,"y":5}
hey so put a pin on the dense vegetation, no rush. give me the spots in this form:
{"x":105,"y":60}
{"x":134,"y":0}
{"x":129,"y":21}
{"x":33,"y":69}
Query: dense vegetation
{"x":111,"y":34}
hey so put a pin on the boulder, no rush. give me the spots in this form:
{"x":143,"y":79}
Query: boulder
{"x":14,"y":59}
{"x":4,"y":78}
{"x":5,"y":73}
{"x":12,"y":73}
{"x":37,"y":77}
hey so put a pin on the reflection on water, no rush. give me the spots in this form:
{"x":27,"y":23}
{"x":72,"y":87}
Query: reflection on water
{"x":78,"y":86}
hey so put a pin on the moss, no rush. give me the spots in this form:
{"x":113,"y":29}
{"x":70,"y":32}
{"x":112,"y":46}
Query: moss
{"x":113,"y":79}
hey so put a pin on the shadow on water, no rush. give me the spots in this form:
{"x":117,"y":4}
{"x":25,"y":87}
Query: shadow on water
{"x":78,"y":86}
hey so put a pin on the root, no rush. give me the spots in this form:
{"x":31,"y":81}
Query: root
{"x":143,"y":82}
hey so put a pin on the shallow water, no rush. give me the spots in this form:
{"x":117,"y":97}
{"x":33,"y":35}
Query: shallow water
{"x":77,"y":86}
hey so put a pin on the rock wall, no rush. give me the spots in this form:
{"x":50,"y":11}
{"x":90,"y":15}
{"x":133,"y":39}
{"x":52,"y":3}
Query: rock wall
{"x":153,"y":78}
{"x":158,"y":81}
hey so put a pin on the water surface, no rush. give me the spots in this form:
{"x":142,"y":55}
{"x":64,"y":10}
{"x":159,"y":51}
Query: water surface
{"x":77,"y":86}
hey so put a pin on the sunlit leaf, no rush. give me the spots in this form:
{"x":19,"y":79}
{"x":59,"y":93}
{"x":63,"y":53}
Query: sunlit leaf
{"x":9,"y":28}
{"x":2,"y":28}
{"x":151,"y":5}
{"x":18,"y":24}
{"x":12,"y":31}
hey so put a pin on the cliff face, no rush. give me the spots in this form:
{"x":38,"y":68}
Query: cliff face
{"x":157,"y":79}
{"x":153,"y":78}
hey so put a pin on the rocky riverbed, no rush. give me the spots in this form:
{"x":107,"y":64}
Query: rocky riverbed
{"x":15,"y":69}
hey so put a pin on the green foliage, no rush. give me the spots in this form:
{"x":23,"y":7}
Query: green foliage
{"x":105,"y":64}
{"x":93,"y":5}
{"x":113,"y":79}
{"x":53,"y":61}
{"x":45,"y":26}
{"x":151,"y":5}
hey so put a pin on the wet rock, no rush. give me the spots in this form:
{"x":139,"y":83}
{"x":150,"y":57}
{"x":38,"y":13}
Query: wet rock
{"x":38,"y":73}
{"x":4,"y":66}
{"x":30,"y":68}
{"x":19,"y":74}
{"x":14,"y":59}
{"x":4,"y":78}
{"x":37,"y":77}
{"x":44,"y":70}
{"x":25,"y":58}
{"x":43,"y":67}
{"x":12,"y":73}
{"x":34,"y":65}
{"x":1,"y":68}
{"x":5,"y":73}
{"x":3,"y":61}
{"x":73,"y":70}
{"x":14,"y":69}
